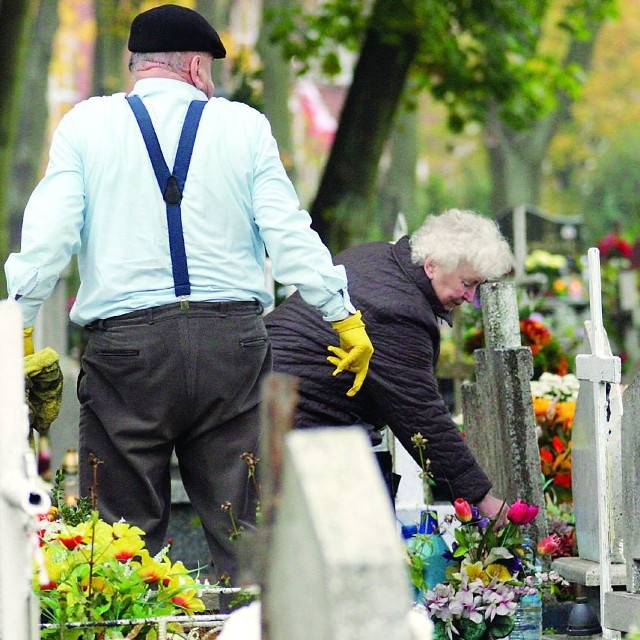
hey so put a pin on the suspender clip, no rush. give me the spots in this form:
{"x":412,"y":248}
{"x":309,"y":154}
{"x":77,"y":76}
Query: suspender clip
{"x":184,"y":302}
{"x":172,"y":194}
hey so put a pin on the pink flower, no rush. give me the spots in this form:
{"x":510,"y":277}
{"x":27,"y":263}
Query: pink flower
{"x":549,"y":544}
{"x":522,"y":513}
{"x":463,"y":510}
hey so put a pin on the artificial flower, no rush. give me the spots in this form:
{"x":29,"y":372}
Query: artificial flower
{"x":95,"y":571}
{"x":547,"y":546}
{"x":493,"y":572}
{"x":522,"y":513}
{"x":463,"y":510}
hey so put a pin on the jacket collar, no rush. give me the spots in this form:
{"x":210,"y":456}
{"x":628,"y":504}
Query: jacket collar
{"x":402,"y":253}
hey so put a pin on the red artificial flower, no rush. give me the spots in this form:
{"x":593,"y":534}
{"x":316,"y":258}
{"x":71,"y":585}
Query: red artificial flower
{"x":562,"y":480}
{"x":463,"y":510}
{"x":546,"y":455}
{"x":49,"y":586}
{"x":612,"y":245}
{"x":70,"y":541}
{"x":522,"y":513}
{"x":557,"y":444}
{"x":549,"y":545}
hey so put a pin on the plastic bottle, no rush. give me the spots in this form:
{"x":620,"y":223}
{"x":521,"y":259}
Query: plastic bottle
{"x":528,"y":616}
{"x":426,"y":541}
{"x":528,"y":619}
{"x":435,"y":569}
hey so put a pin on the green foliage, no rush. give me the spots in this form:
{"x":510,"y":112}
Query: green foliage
{"x":71,"y":514}
{"x":614,"y":195}
{"x":470,"y":53}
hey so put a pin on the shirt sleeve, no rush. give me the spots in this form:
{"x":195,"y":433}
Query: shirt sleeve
{"x":298,"y":255}
{"x":51,"y":226}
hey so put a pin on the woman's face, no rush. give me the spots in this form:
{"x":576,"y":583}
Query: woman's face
{"x":453,"y":287}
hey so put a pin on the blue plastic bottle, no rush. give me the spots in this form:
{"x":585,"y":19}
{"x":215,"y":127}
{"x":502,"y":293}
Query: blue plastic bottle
{"x":427,"y":541}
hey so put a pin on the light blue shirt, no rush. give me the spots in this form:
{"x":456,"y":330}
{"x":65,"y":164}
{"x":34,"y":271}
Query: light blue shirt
{"x":100,"y":199}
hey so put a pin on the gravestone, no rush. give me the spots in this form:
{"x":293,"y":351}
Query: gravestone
{"x":335,"y":561}
{"x":498,"y":408}
{"x":600,"y":371}
{"x":622,"y":609}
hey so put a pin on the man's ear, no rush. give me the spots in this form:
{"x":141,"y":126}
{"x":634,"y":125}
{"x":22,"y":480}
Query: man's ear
{"x":429,"y":267}
{"x":194,"y":64}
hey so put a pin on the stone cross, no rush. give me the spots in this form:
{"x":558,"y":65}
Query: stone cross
{"x":22,"y":494}
{"x":498,"y":411}
{"x":584,"y":452}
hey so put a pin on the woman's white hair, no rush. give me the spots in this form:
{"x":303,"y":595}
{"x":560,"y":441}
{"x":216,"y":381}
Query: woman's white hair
{"x":456,"y":236}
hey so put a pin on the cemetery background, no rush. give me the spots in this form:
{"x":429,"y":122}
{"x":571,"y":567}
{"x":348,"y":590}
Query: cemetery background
{"x":556,"y":301}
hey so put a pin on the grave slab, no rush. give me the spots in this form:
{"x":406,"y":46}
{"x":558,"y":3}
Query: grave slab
{"x":336,"y":564}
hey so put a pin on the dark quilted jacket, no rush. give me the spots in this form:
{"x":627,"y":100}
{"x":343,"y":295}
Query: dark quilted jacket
{"x":401,"y":313}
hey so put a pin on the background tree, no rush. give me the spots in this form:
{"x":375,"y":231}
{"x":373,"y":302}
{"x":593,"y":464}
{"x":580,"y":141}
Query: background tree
{"x":276,"y":75}
{"x":466,"y":55}
{"x":516,"y":156}
{"x":15,"y":21}
{"x":397,"y":183}
{"x":32,"y":117}
{"x":113,"y":19}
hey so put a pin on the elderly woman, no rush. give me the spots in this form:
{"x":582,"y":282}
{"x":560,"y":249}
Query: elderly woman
{"x":404,"y":291}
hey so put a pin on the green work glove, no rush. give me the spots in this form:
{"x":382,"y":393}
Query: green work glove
{"x":354,"y":352}
{"x":28,"y":341}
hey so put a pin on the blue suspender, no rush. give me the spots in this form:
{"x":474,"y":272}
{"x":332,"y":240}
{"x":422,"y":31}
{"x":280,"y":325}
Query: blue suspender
{"x":172,"y":184}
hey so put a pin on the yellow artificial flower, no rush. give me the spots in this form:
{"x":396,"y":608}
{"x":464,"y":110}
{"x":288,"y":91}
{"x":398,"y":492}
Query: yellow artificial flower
{"x":150,"y":569}
{"x":474,"y":571}
{"x":498,"y":571}
{"x":189,"y":601}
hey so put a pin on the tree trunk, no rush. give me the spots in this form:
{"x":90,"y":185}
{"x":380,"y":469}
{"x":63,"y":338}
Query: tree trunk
{"x":15,"y":21}
{"x":32,"y":126}
{"x":516,"y":158}
{"x":515,"y":161}
{"x":277,"y":78}
{"x":341,"y":209}
{"x":217,"y":12}
{"x":398,"y":188}
{"x":113,"y":19}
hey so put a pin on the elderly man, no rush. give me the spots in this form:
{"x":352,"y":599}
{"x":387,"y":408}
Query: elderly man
{"x":172,"y":286}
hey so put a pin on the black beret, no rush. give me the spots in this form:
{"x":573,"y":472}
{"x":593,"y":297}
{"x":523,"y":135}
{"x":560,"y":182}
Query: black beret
{"x":170,"y":27}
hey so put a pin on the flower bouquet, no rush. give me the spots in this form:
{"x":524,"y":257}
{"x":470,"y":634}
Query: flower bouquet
{"x":493,"y":569}
{"x":92,"y":571}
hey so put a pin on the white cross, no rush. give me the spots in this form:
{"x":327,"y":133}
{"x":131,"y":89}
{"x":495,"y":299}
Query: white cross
{"x":601,"y":370}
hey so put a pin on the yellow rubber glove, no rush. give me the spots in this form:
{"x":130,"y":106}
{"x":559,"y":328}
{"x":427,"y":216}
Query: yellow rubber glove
{"x":28,"y":341}
{"x":354,"y":352}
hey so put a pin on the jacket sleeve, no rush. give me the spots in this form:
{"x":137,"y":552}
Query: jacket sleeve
{"x":403,"y":383}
